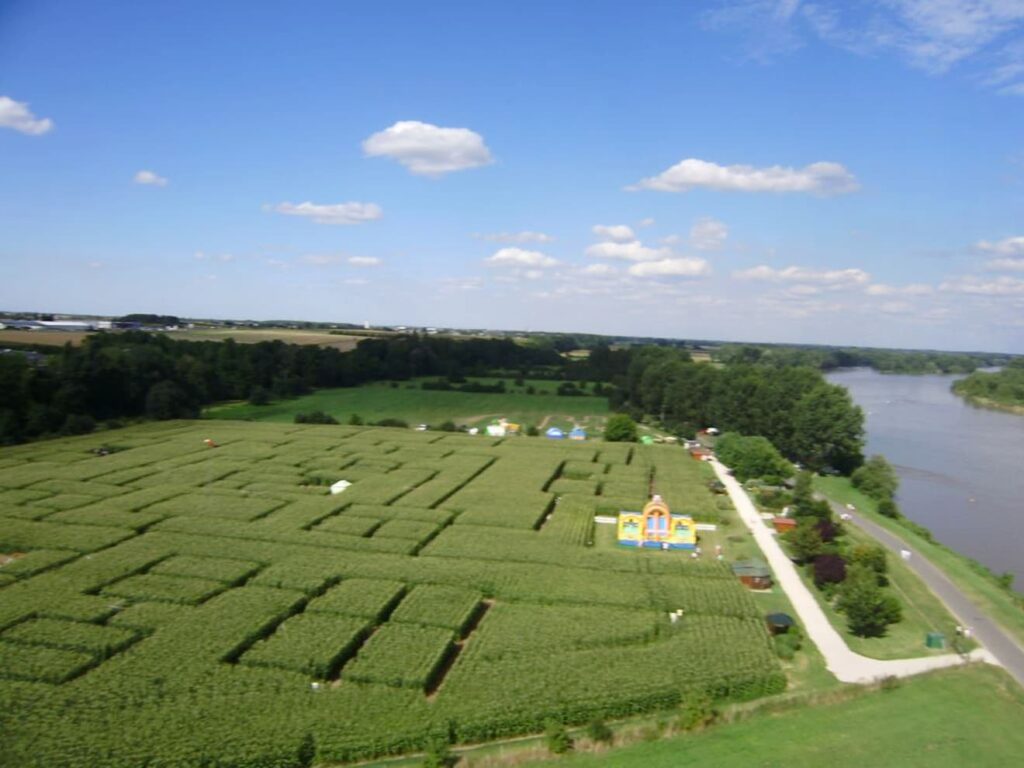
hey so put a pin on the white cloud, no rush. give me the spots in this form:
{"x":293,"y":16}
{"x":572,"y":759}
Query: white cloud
{"x":519,"y":257}
{"x":336,"y":213}
{"x":671,"y":240}
{"x":17,"y":115}
{"x":685,"y":267}
{"x":525,"y":236}
{"x":619,"y":233}
{"x":1006,"y":265}
{"x":913,"y":289}
{"x":364,"y":261}
{"x":599,"y":270}
{"x":932,"y":35}
{"x":708,"y":234}
{"x":150,"y":178}
{"x":429,"y":150}
{"x":203,"y":256}
{"x":648,"y":222}
{"x":833,"y":277}
{"x":973,"y":285}
{"x":321,"y":259}
{"x":632,"y":251}
{"x":1008,"y":246}
{"x":822,"y":178}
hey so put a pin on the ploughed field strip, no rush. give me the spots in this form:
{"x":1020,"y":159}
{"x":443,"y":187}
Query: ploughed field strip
{"x":170,"y":602}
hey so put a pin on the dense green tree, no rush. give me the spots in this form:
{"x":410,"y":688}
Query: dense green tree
{"x":876,"y":478}
{"x":869,"y":610}
{"x":620,"y":429}
{"x":828,"y":430}
{"x":751,"y":457}
{"x":875,"y":558}
{"x":166,"y":400}
{"x":805,"y":541}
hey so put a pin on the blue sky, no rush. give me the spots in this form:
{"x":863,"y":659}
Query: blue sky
{"x":830,"y":172}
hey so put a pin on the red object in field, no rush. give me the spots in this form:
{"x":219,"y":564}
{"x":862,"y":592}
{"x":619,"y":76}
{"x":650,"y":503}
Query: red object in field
{"x":209,"y":443}
{"x":783,"y":524}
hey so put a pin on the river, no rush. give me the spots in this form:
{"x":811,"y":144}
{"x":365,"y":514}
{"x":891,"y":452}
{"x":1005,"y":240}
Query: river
{"x":961,"y":468}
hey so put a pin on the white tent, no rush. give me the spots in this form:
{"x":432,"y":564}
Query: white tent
{"x":340,"y":486}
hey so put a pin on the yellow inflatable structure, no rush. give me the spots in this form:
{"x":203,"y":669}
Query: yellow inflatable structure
{"x":657,"y":527}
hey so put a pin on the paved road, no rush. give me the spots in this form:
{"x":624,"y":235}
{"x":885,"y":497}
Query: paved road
{"x":994,"y":638}
{"x":847,"y":666}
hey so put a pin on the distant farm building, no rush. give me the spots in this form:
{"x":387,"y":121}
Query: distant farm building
{"x":657,"y":527}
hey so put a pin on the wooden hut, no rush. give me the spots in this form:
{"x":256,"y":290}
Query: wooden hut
{"x":754,"y":575}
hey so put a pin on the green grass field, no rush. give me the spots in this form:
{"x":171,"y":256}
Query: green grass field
{"x":1001,"y":604}
{"x":417,"y":406}
{"x":961,"y":717}
{"x":170,"y":599}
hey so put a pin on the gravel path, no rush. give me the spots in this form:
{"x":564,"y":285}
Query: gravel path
{"x":847,"y":666}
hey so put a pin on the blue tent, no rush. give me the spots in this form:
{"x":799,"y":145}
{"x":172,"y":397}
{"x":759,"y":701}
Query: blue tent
{"x":555,"y":433}
{"x":578,"y":433}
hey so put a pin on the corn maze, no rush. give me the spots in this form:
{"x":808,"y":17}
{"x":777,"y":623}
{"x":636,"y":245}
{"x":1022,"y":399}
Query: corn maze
{"x":171,"y":604}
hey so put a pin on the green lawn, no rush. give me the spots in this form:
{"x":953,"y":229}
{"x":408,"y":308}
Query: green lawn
{"x":1001,"y":604}
{"x":968,"y":716}
{"x":417,"y":406}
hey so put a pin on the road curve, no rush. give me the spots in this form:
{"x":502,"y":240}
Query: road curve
{"x":847,"y":666}
{"x":987,"y":632}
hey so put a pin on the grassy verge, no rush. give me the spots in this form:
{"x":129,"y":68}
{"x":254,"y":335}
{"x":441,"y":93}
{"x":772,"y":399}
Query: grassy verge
{"x":1001,"y":604}
{"x":418,"y":406}
{"x":964,"y":716}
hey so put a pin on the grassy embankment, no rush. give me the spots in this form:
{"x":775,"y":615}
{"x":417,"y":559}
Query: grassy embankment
{"x":1002,"y":390}
{"x":380,"y":400}
{"x":950,"y":718}
{"x":1001,"y":604}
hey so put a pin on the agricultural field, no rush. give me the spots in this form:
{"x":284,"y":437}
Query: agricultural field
{"x":174,"y":604}
{"x":408,"y":402}
{"x":339,"y":341}
{"x":47,"y":338}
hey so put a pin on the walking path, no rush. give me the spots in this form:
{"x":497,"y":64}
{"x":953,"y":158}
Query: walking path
{"x":994,"y":638}
{"x":847,"y":666}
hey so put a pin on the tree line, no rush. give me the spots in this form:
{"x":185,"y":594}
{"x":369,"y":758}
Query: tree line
{"x":882,"y":360}
{"x":807,"y":419}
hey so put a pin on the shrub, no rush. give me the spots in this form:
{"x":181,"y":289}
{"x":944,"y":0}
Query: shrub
{"x":620,"y":429}
{"x":751,"y":457}
{"x":888,"y":508}
{"x":557,"y":738}
{"x":78,"y":424}
{"x":868,"y":609}
{"x":315,"y":417}
{"x":876,"y":478}
{"x":259,"y":396}
{"x":599,"y":733}
{"x":355,"y":420}
{"x":448,"y":426}
{"x":828,"y":530}
{"x":829,"y":569}
{"x":392,"y":422}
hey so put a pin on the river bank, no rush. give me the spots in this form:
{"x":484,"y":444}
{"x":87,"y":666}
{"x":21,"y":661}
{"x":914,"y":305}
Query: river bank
{"x":958,"y":464}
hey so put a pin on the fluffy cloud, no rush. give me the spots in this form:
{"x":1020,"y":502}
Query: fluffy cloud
{"x":1009,"y":246}
{"x":631,"y":251}
{"x":822,"y":178}
{"x":364,"y":261}
{"x":977,"y":286}
{"x":833,"y":277}
{"x":429,"y":150}
{"x":203,"y":256}
{"x":648,"y":222}
{"x":17,"y":115}
{"x":337,"y":213}
{"x":913,"y":289}
{"x":518,"y":257}
{"x":525,"y":236}
{"x":708,"y":234}
{"x":599,"y":270}
{"x":685,"y":267}
{"x":149,"y":178}
{"x":619,"y":233}
{"x":1006,"y":265}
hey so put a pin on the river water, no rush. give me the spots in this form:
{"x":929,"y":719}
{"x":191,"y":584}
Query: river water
{"x":961,"y":468}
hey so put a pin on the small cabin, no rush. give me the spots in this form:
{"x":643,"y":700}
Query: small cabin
{"x":657,"y":527}
{"x":753,"y":575}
